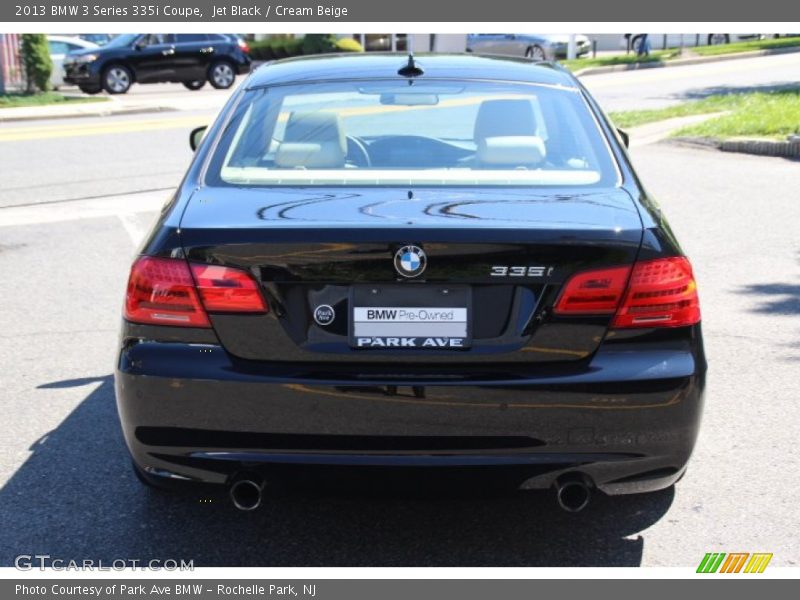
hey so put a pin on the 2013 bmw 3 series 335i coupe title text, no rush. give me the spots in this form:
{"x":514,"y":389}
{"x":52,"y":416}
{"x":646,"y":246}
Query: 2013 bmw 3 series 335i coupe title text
{"x":430,"y":262}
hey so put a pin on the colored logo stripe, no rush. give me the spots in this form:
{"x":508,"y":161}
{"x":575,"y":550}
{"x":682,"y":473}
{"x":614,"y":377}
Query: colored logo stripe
{"x":711,"y":562}
{"x":734,"y":562}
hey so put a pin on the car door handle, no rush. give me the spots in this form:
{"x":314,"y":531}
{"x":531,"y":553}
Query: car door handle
{"x":208,"y":50}
{"x":168,"y":51}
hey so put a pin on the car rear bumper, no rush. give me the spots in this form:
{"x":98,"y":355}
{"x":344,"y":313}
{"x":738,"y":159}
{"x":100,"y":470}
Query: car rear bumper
{"x":628,"y":420}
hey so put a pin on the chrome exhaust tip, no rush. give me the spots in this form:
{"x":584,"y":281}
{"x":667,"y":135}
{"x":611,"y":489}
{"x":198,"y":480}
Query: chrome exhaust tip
{"x":573,"y":492}
{"x":246,"y":493}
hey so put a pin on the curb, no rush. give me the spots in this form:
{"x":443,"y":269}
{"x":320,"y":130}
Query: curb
{"x":133,"y":110}
{"x":778,"y":148}
{"x":681,"y":62}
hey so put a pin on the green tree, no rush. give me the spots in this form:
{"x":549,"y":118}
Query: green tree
{"x":318,"y":43}
{"x":36,"y":61}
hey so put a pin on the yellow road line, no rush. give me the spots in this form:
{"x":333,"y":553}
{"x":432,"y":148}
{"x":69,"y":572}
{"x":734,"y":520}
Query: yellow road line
{"x":104,"y":128}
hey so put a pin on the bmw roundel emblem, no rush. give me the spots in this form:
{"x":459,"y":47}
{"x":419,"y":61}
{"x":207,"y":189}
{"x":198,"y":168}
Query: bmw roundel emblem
{"x":410,"y":261}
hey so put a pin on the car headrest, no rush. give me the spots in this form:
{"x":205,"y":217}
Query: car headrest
{"x":511,"y":151}
{"x":504,"y":117}
{"x":314,"y":140}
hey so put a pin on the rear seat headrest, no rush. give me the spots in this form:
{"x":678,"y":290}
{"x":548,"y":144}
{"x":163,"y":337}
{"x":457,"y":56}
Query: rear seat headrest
{"x":511,"y":151}
{"x":503,"y":118}
{"x":313,"y":140}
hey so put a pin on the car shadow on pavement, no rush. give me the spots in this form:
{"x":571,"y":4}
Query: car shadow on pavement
{"x":777,"y":299}
{"x":699,"y":93}
{"x":77,"y":498}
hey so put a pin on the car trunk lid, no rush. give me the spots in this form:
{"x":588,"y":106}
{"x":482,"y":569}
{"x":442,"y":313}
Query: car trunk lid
{"x":498,"y":257}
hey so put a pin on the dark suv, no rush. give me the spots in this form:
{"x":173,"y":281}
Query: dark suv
{"x":187,"y":58}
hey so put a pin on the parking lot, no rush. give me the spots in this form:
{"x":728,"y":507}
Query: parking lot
{"x":78,"y":195}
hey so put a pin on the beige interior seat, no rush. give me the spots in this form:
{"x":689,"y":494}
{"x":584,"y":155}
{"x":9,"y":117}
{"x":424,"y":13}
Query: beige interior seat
{"x":505,"y":135}
{"x":312,"y":140}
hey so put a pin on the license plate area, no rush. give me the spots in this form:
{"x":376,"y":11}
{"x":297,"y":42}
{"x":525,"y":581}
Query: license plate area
{"x":411,"y":317}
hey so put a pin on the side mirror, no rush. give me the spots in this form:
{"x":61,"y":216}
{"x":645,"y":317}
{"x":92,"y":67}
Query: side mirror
{"x":626,"y":139}
{"x":197,"y":136}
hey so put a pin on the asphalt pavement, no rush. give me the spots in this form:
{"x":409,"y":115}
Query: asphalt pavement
{"x":657,"y":88}
{"x":75,"y":204}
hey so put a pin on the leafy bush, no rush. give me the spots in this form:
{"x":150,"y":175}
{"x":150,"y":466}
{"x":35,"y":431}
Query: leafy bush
{"x":36,"y":61}
{"x":318,"y":43}
{"x":277,"y":48}
{"x":274,"y":49}
{"x":348,"y":45}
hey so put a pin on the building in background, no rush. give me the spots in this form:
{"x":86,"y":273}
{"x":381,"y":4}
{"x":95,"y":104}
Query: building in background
{"x":395,"y":42}
{"x":11,"y":76}
{"x":414,"y":42}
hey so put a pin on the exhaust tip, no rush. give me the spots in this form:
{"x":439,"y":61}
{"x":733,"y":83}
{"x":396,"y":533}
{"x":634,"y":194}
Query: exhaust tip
{"x":246,"y":494}
{"x":573,"y":493}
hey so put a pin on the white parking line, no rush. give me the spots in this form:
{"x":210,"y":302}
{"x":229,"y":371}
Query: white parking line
{"x":135,"y":227}
{"x":124,"y":206}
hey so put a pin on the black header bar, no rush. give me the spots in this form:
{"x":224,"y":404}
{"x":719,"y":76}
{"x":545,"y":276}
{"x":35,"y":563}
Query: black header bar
{"x":396,"y":11}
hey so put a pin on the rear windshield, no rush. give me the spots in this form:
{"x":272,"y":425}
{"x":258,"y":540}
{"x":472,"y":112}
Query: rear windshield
{"x":412,"y":133}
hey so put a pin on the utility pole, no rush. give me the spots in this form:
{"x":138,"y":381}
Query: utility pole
{"x":572,"y":48}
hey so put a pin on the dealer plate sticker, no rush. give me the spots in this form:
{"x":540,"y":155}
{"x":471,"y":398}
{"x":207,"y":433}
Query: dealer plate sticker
{"x":410,"y":327}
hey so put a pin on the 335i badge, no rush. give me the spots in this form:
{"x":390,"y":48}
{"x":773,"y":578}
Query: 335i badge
{"x":443,"y":261}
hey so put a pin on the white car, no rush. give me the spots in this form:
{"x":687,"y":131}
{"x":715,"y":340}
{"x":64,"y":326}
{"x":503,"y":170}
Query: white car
{"x":534,"y":46}
{"x":60,"y":46}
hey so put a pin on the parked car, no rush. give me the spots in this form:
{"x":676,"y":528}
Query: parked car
{"x":240,"y":41}
{"x":464,"y":272}
{"x":528,"y":45}
{"x":60,"y":46}
{"x":187,"y":58}
{"x":101,"y":39}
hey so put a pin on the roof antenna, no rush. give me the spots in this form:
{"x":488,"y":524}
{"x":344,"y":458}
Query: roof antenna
{"x":411,"y":69}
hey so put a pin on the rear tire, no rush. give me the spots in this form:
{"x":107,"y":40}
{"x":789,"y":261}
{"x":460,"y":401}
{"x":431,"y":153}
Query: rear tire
{"x":117,"y":79}
{"x":221,"y":75}
{"x":194,"y":85}
{"x":715,"y":39}
{"x":535,"y":53}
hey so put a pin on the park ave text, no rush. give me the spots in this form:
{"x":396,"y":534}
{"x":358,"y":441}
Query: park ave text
{"x":167,"y":589}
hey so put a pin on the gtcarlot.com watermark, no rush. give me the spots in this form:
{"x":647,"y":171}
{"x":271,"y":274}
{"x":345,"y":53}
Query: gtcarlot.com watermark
{"x":29,"y":562}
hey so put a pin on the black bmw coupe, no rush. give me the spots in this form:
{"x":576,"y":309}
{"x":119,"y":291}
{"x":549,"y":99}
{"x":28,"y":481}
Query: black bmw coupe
{"x":433,"y":262}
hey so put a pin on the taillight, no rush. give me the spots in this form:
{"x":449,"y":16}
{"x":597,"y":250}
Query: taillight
{"x":593,"y":292}
{"x":661,"y":293}
{"x":161,"y":292}
{"x":243,"y":45}
{"x":169,"y":291}
{"x":223,"y":289}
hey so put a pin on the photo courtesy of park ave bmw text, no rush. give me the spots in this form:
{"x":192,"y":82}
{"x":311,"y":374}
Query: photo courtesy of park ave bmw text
{"x":288,"y":288}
